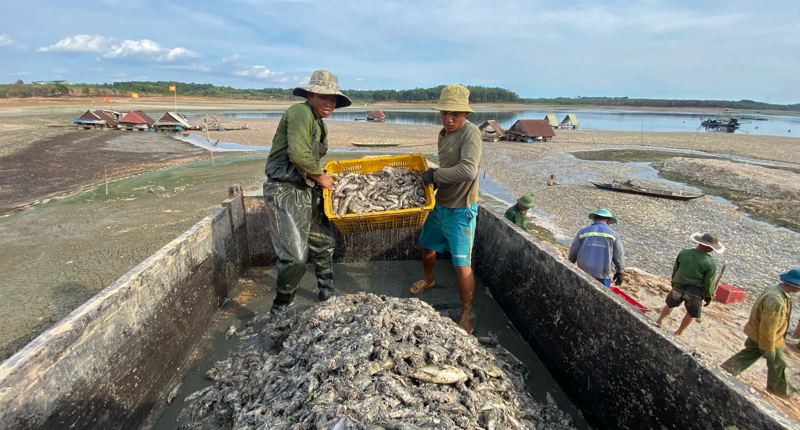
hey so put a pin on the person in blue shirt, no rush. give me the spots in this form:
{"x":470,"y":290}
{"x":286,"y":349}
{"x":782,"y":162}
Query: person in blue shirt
{"x":596,"y":247}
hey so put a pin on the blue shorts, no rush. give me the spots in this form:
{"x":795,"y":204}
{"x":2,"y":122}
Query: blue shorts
{"x":453,"y":230}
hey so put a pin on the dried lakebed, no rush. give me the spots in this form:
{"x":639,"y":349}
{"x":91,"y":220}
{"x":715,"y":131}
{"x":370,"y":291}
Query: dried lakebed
{"x":653,"y":230}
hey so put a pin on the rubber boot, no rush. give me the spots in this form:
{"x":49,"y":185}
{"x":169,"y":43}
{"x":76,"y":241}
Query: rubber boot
{"x":280,"y":304}
{"x":325,"y":286}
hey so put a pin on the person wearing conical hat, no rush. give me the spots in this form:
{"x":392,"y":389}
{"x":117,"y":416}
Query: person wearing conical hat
{"x":693,"y":279}
{"x":598,"y":247}
{"x":766,"y":330}
{"x":293,"y":189}
{"x":450,"y":226}
{"x":516,"y":213}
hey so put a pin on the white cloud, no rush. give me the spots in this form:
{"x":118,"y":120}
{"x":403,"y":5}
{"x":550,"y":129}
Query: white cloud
{"x":148,"y":50}
{"x":17,"y":74}
{"x":194,"y":67}
{"x":78,"y":43}
{"x":5,"y":40}
{"x":235,"y":58}
{"x":60,"y":71}
{"x":260,"y":72}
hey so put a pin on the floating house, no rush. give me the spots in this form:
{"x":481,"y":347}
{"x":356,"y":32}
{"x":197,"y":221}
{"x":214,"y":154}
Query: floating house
{"x":172,"y":121}
{"x":94,"y":119}
{"x":376,"y":116}
{"x":491,"y":131}
{"x":530,"y":130}
{"x":550,"y":118}
{"x":570,"y":121}
{"x":136,"y":120}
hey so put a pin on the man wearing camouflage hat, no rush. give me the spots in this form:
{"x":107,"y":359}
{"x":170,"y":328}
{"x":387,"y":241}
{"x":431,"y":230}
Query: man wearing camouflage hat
{"x":516,"y":213}
{"x":451,"y":224}
{"x":293,"y":189}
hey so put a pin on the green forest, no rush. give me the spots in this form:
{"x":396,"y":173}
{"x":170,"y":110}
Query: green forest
{"x":478,"y":94}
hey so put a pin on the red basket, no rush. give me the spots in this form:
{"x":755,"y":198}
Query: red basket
{"x":729,"y":294}
{"x":630,"y":300}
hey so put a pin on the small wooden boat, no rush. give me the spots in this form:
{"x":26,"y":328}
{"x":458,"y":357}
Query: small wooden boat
{"x":652,"y":192}
{"x":376,"y":144}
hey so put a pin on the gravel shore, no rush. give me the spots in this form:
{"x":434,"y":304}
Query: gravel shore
{"x":653,"y":230}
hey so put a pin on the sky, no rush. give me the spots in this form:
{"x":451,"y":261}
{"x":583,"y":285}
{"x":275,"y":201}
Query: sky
{"x":726,"y":50}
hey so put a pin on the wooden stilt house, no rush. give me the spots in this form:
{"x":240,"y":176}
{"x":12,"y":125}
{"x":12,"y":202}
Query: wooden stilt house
{"x":172,"y":121}
{"x":530,"y":130}
{"x":551,"y":119}
{"x":376,"y":116}
{"x":491,"y":131}
{"x":570,"y":121}
{"x":136,"y":120}
{"x":97,"y":119}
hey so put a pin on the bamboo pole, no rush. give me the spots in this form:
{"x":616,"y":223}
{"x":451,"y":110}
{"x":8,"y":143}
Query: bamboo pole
{"x":105,"y":174}
{"x":210,"y":149}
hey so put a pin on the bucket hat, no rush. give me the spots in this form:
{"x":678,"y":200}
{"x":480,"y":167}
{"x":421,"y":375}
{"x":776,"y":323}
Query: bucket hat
{"x":791,"y":277}
{"x":605,"y":213}
{"x":709,"y":239}
{"x":526,"y":200}
{"x":324,"y":82}
{"x":454,"y":98}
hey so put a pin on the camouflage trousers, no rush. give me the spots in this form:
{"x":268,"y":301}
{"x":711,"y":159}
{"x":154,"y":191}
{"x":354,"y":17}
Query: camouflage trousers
{"x":776,"y":369}
{"x":297,"y":224}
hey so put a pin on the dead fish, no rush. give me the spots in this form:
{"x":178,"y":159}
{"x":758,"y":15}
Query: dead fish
{"x":230,"y":332}
{"x":439,"y":374}
{"x":172,"y":394}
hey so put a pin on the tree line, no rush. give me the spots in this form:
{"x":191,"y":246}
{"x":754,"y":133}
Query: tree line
{"x":478,"y":94}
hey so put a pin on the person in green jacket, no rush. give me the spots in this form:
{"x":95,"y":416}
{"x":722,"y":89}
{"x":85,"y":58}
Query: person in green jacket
{"x":450,"y":226}
{"x":293,"y":189}
{"x":516,"y":213}
{"x":693,"y":279}
{"x":766,"y":330}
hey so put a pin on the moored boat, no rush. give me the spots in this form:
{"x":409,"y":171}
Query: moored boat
{"x":376,"y":144}
{"x":652,"y":192}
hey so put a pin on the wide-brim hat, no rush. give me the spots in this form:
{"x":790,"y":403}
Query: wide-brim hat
{"x":605,"y":213}
{"x":454,"y":98}
{"x":526,"y":200}
{"x":324,"y":82}
{"x":791,"y":277}
{"x":710,"y":240}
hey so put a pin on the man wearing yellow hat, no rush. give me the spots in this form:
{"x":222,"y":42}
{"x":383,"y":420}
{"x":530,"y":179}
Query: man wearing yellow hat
{"x":293,"y":189}
{"x":451,"y":224}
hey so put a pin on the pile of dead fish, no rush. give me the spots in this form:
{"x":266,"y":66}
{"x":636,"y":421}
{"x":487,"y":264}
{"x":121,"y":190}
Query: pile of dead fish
{"x":367,"y":362}
{"x":388,"y":189}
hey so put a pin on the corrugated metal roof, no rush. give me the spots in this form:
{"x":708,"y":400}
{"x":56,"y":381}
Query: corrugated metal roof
{"x":532,"y":128}
{"x":551,"y":119}
{"x":174,"y":118}
{"x":495,"y":126}
{"x":137,"y":117}
{"x":570,"y":119}
{"x":377,"y":113}
{"x":99,"y":115}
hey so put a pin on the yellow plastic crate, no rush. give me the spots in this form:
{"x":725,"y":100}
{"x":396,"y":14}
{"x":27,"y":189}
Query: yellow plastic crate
{"x":356,"y":223}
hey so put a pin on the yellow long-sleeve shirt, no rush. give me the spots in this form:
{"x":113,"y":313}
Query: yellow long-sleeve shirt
{"x":769,"y":318}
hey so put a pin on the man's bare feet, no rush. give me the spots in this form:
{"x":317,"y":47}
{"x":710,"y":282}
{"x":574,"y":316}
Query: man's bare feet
{"x":466,"y":325}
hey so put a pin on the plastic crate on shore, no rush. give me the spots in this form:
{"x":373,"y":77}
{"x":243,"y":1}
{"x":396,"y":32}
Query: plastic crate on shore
{"x":729,"y":294}
{"x":356,"y":223}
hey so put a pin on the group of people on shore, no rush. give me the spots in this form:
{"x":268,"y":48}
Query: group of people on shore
{"x":597,"y":250}
{"x":297,"y":224}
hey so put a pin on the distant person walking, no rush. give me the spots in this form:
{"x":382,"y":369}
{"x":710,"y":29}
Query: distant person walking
{"x":516,"y":213}
{"x":693,"y":279}
{"x":766,"y":330}
{"x":596,"y":247}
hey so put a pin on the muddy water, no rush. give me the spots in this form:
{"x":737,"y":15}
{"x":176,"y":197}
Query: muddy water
{"x":389,"y":278}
